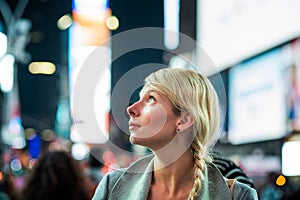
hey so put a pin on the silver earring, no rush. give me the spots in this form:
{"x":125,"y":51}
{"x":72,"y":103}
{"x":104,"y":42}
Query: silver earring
{"x":178,"y":130}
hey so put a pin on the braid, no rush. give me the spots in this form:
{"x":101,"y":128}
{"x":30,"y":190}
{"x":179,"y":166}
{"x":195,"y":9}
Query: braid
{"x":199,"y":167}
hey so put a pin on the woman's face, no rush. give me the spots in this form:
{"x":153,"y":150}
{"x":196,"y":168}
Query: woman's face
{"x":152,"y":120}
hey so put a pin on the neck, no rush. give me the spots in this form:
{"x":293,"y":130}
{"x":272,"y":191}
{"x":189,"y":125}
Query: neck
{"x":179,"y":174}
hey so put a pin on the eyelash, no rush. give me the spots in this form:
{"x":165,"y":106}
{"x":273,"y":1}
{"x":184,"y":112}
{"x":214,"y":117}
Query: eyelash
{"x":151,"y":97}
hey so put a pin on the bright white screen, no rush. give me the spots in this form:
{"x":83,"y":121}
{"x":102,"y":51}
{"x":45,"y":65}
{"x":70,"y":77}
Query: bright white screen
{"x":257,"y":108}
{"x":290,"y":163}
{"x":233,"y":30}
{"x":78,"y":55}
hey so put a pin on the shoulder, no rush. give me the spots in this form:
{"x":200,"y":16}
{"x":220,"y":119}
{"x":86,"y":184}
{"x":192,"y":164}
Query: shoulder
{"x":219,"y":182}
{"x":243,"y":191}
{"x":116,"y":179}
{"x":106,"y":184}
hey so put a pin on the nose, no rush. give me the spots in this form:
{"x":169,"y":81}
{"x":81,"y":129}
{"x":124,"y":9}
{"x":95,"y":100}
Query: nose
{"x":133,"y":110}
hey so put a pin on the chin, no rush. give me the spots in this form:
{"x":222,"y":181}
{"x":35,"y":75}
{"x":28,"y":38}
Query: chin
{"x":138,"y":141}
{"x":134,"y":140}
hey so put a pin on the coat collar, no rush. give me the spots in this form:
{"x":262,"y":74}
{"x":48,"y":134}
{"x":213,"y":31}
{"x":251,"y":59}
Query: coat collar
{"x":135,"y":182}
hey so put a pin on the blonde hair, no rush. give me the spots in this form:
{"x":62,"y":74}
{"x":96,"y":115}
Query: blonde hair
{"x":192,"y":92}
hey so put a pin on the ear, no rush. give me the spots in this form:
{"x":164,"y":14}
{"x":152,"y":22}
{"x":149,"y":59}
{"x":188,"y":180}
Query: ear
{"x":185,"y":122}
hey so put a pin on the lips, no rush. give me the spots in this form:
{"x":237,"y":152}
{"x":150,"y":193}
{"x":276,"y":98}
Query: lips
{"x":133,"y":125}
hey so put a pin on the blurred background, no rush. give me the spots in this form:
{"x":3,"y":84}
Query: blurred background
{"x":255,"y":46}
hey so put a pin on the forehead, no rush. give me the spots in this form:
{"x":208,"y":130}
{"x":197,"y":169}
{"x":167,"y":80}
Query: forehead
{"x":146,"y":89}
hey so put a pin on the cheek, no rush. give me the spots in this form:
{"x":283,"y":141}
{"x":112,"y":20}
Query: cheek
{"x":156,"y":120}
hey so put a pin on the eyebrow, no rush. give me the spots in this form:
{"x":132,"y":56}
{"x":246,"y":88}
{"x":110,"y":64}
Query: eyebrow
{"x":149,"y":91}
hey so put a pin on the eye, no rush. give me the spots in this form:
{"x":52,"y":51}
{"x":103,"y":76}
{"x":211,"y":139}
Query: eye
{"x":151,"y":99}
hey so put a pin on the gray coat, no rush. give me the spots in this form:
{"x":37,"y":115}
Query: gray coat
{"x":127,"y":184}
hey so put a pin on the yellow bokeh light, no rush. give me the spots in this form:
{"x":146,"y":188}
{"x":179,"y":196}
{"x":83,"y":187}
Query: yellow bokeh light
{"x":47,"y":135}
{"x":112,"y":23}
{"x":280,"y":180}
{"x":42,"y":68}
{"x":29,"y":133}
{"x":64,"y":22}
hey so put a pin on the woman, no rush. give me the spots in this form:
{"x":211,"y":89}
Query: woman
{"x":177,"y":119}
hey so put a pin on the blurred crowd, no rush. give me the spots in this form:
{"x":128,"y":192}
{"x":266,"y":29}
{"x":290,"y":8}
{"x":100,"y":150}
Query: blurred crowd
{"x":56,"y":174}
